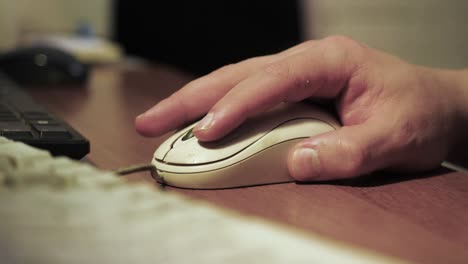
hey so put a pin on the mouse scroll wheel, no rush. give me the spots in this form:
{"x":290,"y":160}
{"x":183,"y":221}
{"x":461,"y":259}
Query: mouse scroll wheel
{"x":188,"y":135}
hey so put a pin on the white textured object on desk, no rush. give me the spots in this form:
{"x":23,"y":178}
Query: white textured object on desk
{"x":55,"y":210}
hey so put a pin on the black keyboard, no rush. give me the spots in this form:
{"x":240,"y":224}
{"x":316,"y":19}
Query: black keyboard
{"x":23,"y":119}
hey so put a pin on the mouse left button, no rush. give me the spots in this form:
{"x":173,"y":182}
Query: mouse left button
{"x":167,"y":145}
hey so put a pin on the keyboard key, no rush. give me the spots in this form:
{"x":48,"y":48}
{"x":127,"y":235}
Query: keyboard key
{"x":8,"y":117}
{"x":36,"y":116}
{"x":43,"y":122}
{"x":6,"y":114}
{"x":52,"y":131}
{"x":23,"y":119}
{"x":14,"y":125}
{"x":4,"y":109}
{"x":17,"y":135}
{"x":15,"y":130}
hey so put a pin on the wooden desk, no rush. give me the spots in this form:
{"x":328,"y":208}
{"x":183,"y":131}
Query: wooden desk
{"x":422,"y":218}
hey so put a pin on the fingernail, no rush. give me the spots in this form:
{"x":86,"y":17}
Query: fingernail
{"x":205,"y":123}
{"x":140,"y":116}
{"x":306,"y":164}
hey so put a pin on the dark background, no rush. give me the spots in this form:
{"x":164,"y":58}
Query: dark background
{"x":200,"y":36}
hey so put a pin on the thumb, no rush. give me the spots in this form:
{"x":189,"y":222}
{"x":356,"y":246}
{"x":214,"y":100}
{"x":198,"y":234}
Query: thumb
{"x":344,"y":153}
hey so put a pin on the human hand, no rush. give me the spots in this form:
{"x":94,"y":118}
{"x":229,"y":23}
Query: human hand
{"x":395,"y":115}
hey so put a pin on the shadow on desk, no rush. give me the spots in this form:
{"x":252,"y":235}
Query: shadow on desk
{"x":383,"y":178}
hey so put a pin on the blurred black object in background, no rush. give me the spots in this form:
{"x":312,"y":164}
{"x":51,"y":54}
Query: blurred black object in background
{"x":43,"y":65}
{"x":200,"y":36}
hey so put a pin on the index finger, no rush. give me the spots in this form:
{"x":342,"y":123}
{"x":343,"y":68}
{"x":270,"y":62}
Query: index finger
{"x":321,"y":71}
{"x":197,"y":97}
{"x":194,"y":99}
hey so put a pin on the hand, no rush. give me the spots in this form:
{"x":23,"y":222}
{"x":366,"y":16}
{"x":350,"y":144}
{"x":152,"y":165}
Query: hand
{"x":395,"y":115}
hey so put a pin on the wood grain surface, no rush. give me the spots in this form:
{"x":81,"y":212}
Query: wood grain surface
{"x":421,"y":218}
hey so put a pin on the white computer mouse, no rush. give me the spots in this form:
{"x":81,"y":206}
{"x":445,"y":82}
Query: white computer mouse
{"x":253,"y":154}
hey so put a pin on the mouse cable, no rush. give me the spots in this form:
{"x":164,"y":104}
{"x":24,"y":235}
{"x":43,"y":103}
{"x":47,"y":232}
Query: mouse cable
{"x":134,"y":169}
{"x":454,"y":167}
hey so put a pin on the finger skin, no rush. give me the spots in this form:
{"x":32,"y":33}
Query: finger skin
{"x":194,"y":99}
{"x":334,"y":155}
{"x":395,"y":115}
{"x":409,"y":129}
{"x":197,"y":97}
{"x":321,"y":71}
{"x":344,"y":153}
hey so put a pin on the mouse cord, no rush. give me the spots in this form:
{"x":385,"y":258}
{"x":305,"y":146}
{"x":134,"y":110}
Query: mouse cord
{"x":134,"y":169}
{"x":454,"y":167}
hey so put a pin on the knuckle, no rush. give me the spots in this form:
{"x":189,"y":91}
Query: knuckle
{"x":190,"y":87}
{"x":214,"y":76}
{"x":256,"y":59}
{"x":340,"y":47}
{"x":226,"y":69}
{"x":251,"y":65}
{"x":341,"y":41}
{"x":308,"y":44}
{"x":279,"y":70}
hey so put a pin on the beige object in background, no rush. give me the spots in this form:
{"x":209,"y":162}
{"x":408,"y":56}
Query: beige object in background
{"x":90,"y":50}
{"x":425,"y":32}
{"x":8,"y":25}
{"x":22,"y":19}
